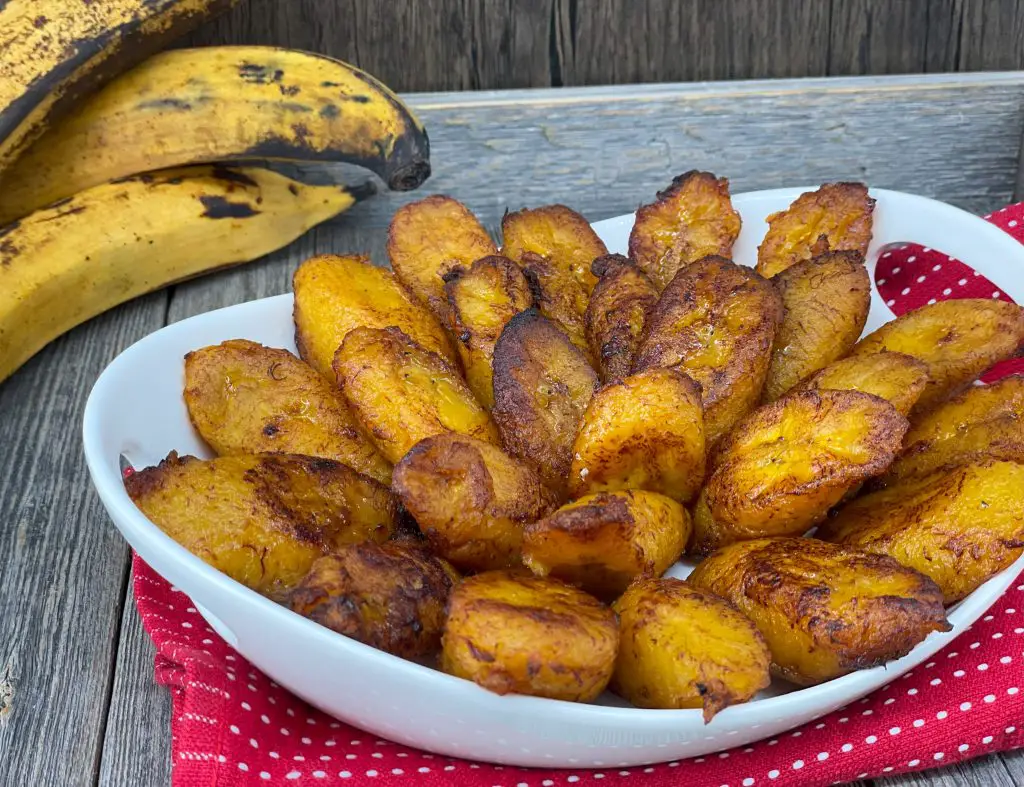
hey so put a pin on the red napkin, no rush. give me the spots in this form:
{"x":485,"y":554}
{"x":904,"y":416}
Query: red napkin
{"x":235,"y":727}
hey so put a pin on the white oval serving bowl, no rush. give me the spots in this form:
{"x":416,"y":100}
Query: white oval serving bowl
{"x":136,"y":409}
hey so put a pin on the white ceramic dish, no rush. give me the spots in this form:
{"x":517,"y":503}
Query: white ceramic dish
{"x":136,"y":409}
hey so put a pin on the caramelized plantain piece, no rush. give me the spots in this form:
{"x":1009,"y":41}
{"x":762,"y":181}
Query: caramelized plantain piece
{"x":401,"y":393}
{"x":826,"y":301}
{"x":957,"y":339}
{"x":959,"y":526}
{"x":542,"y":385}
{"x":427,"y":239}
{"x":471,"y":500}
{"x":836,"y":217}
{"x":262,"y":519}
{"x":335,"y":294}
{"x":898,"y":378}
{"x":715,"y":322}
{"x":244,"y":398}
{"x":558,"y":234}
{"x":516,"y":633}
{"x":781,"y":470}
{"x":559,"y":298}
{"x":482,"y":299}
{"x":976,"y":404}
{"x":824,"y":610}
{"x":643,"y":432}
{"x":391,"y":596}
{"x":616,"y":314}
{"x":680,"y":647}
{"x":691,"y":219}
{"x":602,"y":542}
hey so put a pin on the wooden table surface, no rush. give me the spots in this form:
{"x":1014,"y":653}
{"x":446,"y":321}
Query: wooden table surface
{"x":78,"y":705}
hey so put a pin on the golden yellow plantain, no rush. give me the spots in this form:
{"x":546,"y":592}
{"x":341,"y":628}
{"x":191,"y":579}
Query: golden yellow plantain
{"x":65,"y":264}
{"x":56,"y":51}
{"x":219,"y":104}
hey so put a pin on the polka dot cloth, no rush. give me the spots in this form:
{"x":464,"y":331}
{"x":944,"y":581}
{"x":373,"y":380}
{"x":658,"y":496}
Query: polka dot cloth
{"x":234,"y":727}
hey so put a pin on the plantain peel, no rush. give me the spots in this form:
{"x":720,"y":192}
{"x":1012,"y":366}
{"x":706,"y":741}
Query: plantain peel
{"x":191,"y":106}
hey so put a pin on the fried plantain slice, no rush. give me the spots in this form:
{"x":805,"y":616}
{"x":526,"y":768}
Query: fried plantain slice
{"x":244,"y":398}
{"x":643,"y":432}
{"x":781,"y":470}
{"x":402,"y":393}
{"x":263,"y":519}
{"x":959,"y":526}
{"x":958,"y":340}
{"x":836,"y":217}
{"x":471,"y":500}
{"x":715,"y":322}
{"x":334,"y":294}
{"x":824,"y":609}
{"x":898,"y":378}
{"x":542,"y":385}
{"x":428,"y":238}
{"x":604,"y":541}
{"x":616,"y":314}
{"x":976,"y":404}
{"x":482,"y":299}
{"x":559,"y":298}
{"x":691,"y":219}
{"x":560,"y":235}
{"x":826,"y":301}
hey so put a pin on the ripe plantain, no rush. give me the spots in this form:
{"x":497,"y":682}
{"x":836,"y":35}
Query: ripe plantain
{"x":55,"y":51}
{"x":65,"y":264}
{"x":192,"y":106}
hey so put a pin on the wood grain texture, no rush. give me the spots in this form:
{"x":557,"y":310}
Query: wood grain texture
{"x":63,"y":563}
{"x":878,"y":37}
{"x":617,"y":41}
{"x":137,"y":741}
{"x":991,"y":35}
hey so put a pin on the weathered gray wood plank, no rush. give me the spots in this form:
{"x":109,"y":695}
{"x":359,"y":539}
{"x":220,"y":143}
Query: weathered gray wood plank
{"x":983,"y":772}
{"x":605,"y":150}
{"x":62,"y":564}
{"x":991,"y":35}
{"x":617,"y":41}
{"x":878,"y":37}
{"x":137,"y":743}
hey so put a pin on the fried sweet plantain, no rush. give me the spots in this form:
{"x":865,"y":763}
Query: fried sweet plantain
{"x":976,"y":404}
{"x":335,"y":294}
{"x":896,"y":377}
{"x":244,"y":398}
{"x":516,"y":633}
{"x":836,"y":217}
{"x":960,"y":526}
{"x":471,"y":500}
{"x":643,"y":432}
{"x":691,"y":219}
{"x":782,"y":468}
{"x":560,"y":235}
{"x":680,"y":647}
{"x":716,"y":322}
{"x":391,"y":596}
{"x":482,"y":299}
{"x":542,"y":385}
{"x":602,"y":542}
{"x":997,"y":438}
{"x":824,"y":610}
{"x":957,"y":339}
{"x":559,"y":298}
{"x":427,"y":239}
{"x":616,"y":314}
{"x":401,"y":393}
{"x":262,"y":519}
{"x":826,"y":301}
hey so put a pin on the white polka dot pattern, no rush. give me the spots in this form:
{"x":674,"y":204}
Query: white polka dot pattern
{"x":234,"y":726}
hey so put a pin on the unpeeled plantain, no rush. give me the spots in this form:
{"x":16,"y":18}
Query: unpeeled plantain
{"x":86,"y":254}
{"x":220,"y":104}
{"x":54,"y":51}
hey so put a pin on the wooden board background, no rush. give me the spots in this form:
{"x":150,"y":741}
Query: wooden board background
{"x":426,"y":45}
